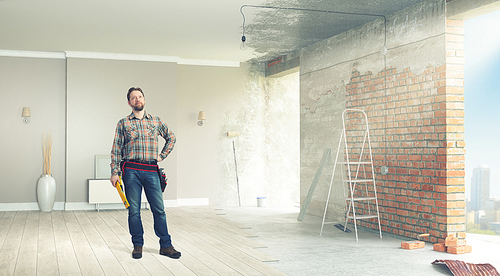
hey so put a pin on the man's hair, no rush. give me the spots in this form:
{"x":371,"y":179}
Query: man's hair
{"x":133,"y":89}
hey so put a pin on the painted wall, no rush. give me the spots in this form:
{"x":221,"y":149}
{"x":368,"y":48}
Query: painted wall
{"x":213,"y":90}
{"x":81,"y":100}
{"x":38,"y":83}
{"x":96,"y":100}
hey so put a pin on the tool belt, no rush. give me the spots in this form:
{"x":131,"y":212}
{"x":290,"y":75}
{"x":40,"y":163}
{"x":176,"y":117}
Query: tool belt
{"x":149,"y":166}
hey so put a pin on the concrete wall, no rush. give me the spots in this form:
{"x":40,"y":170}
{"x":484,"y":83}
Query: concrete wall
{"x":414,"y":103}
{"x":464,"y":9}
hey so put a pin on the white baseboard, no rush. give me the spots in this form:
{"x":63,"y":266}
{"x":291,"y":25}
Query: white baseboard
{"x":73,"y":206}
{"x":171,"y":203}
{"x":192,"y":201}
{"x":27,"y":206}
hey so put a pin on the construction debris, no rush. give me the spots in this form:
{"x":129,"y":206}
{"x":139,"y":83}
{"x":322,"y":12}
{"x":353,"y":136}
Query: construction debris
{"x":453,"y":245}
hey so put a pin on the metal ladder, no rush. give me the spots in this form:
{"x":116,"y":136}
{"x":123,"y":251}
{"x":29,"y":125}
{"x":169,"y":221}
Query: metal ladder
{"x":357,"y":175}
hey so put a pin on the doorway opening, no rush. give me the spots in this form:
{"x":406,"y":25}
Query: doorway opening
{"x":482,"y":86}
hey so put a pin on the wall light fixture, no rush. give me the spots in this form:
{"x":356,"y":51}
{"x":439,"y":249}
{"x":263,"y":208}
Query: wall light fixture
{"x":26,"y":114}
{"x":201,"y":118}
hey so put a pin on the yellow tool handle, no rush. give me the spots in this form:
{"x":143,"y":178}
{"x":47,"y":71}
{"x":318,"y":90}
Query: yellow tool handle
{"x":119,"y":188}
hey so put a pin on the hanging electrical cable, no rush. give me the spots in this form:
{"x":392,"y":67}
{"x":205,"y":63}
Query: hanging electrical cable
{"x":243,"y":37}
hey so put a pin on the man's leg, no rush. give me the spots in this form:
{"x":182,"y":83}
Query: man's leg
{"x":153,"y":192}
{"x":133,"y":190}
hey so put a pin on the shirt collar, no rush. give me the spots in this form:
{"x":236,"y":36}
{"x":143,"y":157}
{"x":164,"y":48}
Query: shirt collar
{"x":146,"y":115}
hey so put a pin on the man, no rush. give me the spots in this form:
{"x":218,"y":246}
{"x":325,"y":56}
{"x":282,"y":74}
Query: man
{"x":135,"y":156}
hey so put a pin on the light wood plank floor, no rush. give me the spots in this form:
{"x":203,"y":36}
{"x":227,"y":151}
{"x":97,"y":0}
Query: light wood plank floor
{"x":98,"y":243}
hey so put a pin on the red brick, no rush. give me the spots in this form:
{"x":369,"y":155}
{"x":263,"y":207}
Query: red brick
{"x":412,"y":244}
{"x":439,"y":247}
{"x":459,"y":249}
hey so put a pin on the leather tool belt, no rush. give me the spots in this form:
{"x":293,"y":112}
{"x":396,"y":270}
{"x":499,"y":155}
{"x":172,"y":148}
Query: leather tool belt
{"x":149,"y":166}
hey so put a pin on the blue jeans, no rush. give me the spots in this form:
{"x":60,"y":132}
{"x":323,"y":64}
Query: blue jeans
{"x":134,"y":181}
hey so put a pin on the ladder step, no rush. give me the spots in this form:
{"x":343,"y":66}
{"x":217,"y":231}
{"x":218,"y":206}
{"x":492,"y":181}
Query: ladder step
{"x":359,"y":180}
{"x":363,"y":216}
{"x":361,"y":198}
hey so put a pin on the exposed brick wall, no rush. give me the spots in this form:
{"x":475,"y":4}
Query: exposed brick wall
{"x":455,"y":144}
{"x":417,"y":130}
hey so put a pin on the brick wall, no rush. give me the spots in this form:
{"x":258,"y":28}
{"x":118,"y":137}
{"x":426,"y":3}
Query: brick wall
{"x":417,"y":131}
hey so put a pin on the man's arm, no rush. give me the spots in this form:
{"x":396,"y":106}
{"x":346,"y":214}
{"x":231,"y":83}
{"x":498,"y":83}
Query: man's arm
{"x":116,"y":154}
{"x":170,"y":139}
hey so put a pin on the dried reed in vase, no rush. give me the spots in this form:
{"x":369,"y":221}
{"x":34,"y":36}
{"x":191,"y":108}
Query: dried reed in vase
{"x":47,"y":153}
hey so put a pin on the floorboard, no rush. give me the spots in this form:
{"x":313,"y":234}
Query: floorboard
{"x":223,"y":227}
{"x":5,"y":223}
{"x":66,"y":257}
{"x":12,"y":243}
{"x":89,"y":265}
{"x":26,"y":262}
{"x":46,"y":251}
{"x":107,"y":260}
{"x":99,"y":243}
{"x":121,"y":230}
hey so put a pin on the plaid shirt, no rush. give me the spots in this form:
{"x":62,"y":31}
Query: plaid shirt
{"x":137,"y":139}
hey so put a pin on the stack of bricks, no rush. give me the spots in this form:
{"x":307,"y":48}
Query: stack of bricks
{"x":453,"y":245}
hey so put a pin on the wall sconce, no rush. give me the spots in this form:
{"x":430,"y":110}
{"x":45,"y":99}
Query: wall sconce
{"x":201,"y":118}
{"x":26,"y":114}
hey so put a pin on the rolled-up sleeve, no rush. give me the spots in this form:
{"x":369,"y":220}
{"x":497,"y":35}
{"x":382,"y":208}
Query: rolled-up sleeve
{"x":116,"y":150}
{"x":169,"y":137}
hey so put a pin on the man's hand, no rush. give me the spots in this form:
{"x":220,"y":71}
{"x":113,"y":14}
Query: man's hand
{"x":159,"y":159}
{"x":114,"y":179}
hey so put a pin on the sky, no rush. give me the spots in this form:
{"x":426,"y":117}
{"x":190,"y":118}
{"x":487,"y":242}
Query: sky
{"x":482,"y":98}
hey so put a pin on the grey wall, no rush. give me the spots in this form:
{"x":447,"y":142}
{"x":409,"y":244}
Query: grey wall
{"x":38,"y":83}
{"x":213,"y":90}
{"x":91,"y":94}
{"x":96,"y":100}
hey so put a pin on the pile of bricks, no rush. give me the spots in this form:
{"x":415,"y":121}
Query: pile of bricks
{"x":453,"y":245}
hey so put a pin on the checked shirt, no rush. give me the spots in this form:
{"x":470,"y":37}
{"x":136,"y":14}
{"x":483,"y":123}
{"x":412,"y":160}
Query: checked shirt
{"x":137,"y":139}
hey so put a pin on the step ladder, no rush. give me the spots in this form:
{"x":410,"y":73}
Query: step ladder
{"x":357,"y":171}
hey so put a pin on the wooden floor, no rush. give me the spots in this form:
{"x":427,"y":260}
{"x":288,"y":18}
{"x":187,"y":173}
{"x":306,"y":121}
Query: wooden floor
{"x":98,"y":243}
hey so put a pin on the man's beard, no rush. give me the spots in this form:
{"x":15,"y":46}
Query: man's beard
{"x":138,"y":107}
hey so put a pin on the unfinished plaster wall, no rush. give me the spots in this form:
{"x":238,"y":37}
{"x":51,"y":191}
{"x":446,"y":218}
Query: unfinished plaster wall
{"x":412,"y":98}
{"x":266,"y":114}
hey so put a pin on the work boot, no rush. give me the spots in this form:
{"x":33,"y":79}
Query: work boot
{"x":137,"y":253}
{"x":170,"y":252}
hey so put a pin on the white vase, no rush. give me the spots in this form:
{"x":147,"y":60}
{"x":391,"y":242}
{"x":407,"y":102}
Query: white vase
{"x":46,"y":192}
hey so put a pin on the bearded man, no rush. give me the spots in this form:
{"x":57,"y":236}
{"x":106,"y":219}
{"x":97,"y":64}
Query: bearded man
{"x":134,"y":155}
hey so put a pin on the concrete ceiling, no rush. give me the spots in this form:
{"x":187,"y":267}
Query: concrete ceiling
{"x":196,"y":29}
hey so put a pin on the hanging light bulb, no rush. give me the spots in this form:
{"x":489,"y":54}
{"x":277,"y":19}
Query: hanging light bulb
{"x":243,"y":45}
{"x":383,"y":50}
